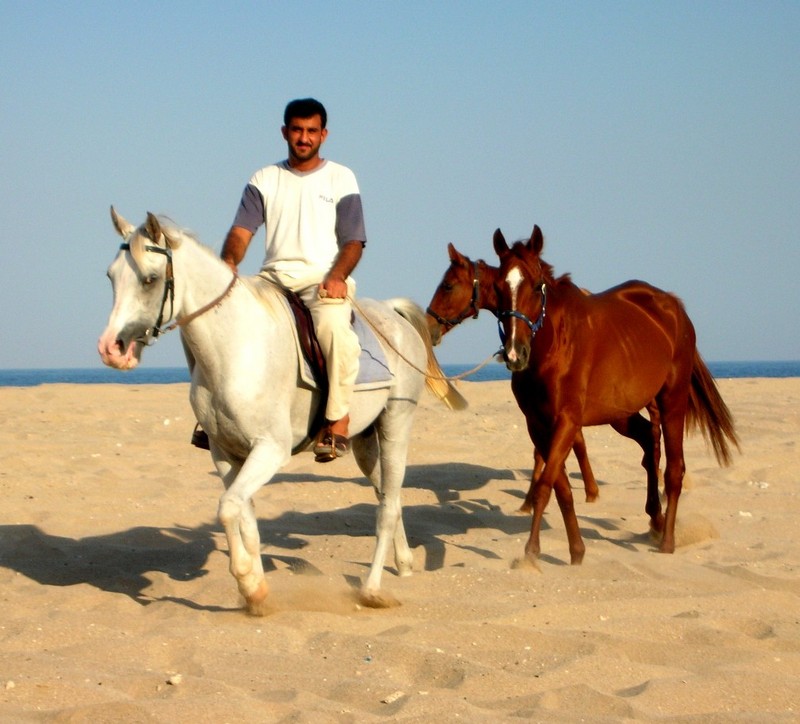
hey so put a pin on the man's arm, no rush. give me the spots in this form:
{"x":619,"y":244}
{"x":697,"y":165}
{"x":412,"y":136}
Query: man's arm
{"x":235,"y":247}
{"x":334,"y":284}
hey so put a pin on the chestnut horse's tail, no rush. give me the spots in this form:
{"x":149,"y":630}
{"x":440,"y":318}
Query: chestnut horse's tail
{"x":708,"y":411}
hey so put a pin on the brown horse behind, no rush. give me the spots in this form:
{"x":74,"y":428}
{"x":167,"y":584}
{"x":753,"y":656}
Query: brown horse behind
{"x":580,"y":360}
{"x":465,"y":289}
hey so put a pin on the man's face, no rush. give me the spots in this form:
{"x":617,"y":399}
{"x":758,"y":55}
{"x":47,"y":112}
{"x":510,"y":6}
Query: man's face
{"x":304,"y":137}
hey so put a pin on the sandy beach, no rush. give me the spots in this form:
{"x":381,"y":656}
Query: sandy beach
{"x":117,"y":604}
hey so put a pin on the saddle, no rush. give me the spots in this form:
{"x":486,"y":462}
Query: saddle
{"x":313,"y":354}
{"x":308,"y":340}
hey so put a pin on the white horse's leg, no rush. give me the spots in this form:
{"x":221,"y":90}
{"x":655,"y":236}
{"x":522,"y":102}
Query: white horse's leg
{"x":226,"y":470}
{"x":366,"y":451}
{"x":393,"y":443}
{"x":237,"y":515}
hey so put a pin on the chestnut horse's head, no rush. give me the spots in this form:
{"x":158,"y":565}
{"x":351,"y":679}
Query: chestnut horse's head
{"x":521,"y":296}
{"x":457,"y":296}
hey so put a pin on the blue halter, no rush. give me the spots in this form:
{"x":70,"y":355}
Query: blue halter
{"x":534,"y":326}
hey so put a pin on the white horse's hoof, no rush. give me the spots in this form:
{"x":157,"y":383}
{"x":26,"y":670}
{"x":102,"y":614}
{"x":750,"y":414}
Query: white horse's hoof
{"x":256,"y":602}
{"x":377,"y":599}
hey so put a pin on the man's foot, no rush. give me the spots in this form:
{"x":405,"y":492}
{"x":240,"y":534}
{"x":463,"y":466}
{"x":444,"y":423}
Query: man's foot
{"x":332,"y":441}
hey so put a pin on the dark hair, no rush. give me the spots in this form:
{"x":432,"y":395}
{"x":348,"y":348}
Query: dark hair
{"x":305,"y":108}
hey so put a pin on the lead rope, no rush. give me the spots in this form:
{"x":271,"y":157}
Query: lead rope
{"x":405,"y":359}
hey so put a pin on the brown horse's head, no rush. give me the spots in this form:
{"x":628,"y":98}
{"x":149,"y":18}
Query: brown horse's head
{"x":521,"y":295}
{"x":456,"y":297}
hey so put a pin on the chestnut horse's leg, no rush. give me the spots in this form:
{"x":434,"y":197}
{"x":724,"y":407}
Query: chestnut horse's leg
{"x":554,"y":477}
{"x":538,"y":466}
{"x":673,"y":418}
{"x":589,"y":482}
{"x":647,"y":435}
{"x":540,"y":496}
{"x":577,"y":548}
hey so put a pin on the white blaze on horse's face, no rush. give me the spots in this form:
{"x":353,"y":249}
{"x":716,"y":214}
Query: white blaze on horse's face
{"x":513,"y":279}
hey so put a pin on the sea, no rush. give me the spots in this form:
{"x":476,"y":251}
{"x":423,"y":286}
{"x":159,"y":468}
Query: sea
{"x":170,"y":375}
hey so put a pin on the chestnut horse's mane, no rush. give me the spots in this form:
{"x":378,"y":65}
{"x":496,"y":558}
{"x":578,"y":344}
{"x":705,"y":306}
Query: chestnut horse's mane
{"x":540,"y":269}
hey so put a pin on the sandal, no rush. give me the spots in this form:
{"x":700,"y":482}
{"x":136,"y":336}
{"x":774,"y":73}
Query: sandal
{"x":330,"y":446}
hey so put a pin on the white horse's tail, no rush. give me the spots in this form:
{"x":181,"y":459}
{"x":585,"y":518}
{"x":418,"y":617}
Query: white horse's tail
{"x":435,"y":379}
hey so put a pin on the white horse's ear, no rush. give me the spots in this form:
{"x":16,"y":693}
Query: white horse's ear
{"x":123,"y":227}
{"x":153,"y":227}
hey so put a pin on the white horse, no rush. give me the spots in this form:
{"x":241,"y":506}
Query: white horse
{"x":246,"y":390}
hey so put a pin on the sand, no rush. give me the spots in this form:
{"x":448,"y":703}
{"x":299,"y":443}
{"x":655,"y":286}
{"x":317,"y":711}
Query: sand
{"x":116,"y":604}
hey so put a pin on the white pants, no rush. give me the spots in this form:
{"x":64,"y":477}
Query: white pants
{"x":337,"y":340}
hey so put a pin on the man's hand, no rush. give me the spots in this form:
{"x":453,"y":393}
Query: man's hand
{"x":333,"y":288}
{"x":334,"y":285}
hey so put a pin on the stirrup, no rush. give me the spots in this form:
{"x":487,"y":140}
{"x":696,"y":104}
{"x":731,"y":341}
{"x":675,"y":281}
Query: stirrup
{"x":200,"y":438}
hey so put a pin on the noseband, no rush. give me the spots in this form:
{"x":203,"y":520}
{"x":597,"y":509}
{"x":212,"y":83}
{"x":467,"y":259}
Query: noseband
{"x":470,"y":311}
{"x":533,"y":326}
{"x":151,"y":334}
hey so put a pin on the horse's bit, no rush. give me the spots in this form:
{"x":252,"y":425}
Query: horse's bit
{"x":470,"y":311}
{"x":151,"y":334}
{"x":534,"y":326}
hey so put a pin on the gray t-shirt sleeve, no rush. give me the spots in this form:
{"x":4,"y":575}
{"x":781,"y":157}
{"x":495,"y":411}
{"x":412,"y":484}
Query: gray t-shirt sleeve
{"x":250,"y":214}
{"x":350,"y":220}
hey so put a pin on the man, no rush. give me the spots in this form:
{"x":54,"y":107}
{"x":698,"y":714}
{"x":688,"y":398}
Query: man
{"x":315,"y":236}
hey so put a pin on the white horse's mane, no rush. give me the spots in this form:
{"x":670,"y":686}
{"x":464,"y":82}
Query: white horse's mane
{"x":269,"y":294}
{"x":176,"y":234}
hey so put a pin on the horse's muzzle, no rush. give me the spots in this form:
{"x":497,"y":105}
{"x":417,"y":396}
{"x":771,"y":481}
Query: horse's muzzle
{"x":114,"y":353}
{"x":435,"y":329}
{"x":516,"y":357}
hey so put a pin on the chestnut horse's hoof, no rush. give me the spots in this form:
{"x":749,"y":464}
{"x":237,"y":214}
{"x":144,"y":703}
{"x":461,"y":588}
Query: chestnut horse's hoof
{"x":525,"y":564}
{"x":657,"y":523}
{"x":666,"y":547}
{"x":576,"y":557}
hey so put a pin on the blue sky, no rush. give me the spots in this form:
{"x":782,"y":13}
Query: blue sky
{"x":650,"y":140}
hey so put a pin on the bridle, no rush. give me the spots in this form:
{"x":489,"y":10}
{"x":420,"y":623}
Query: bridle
{"x":151,"y":334}
{"x":471,"y":311}
{"x":534,"y":326}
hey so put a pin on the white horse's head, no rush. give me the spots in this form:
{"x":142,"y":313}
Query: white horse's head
{"x":141,"y":278}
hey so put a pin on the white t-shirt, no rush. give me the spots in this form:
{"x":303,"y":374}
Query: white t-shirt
{"x":308,"y":215}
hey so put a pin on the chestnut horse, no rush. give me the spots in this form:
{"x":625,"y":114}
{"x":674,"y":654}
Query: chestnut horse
{"x":580,"y":360}
{"x":465,"y":289}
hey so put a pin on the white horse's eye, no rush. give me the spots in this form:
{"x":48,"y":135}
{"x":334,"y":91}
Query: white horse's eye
{"x":149,"y":280}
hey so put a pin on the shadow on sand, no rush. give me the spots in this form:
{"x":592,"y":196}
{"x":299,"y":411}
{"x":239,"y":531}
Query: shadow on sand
{"x":123,"y":562}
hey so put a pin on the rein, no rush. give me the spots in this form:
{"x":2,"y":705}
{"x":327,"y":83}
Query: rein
{"x":405,"y":359}
{"x":470,"y":311}
{"x":152,"y":333}
{"x":533,"y":326}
